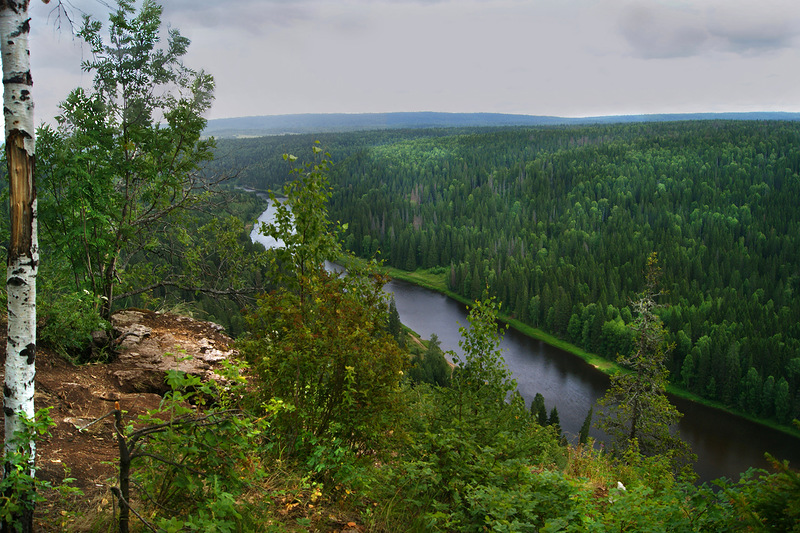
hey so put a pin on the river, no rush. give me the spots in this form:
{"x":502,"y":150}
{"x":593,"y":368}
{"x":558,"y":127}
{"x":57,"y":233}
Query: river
{"x":726,"y":445}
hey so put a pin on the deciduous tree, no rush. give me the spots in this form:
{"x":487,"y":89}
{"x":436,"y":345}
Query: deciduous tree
{"x":23,"y":248}
{"x":125,"y":159}
{"x":482,"y":378}
{"x":319,"y":343}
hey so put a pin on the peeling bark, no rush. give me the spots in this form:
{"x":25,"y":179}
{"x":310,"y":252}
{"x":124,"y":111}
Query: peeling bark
{"x":23,"y":250}
{"x":22,"y":202}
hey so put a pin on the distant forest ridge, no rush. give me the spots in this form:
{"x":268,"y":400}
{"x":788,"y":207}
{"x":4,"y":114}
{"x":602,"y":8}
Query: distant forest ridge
{"x":343,"y":122}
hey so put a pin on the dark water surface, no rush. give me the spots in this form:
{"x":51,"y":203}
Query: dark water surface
{"x":726,"y":445}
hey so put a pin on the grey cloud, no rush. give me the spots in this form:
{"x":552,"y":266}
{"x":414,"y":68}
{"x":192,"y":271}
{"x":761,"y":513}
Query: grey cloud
{"x":763,"y":27}
{"x":660,"y":30}
{"x":252,"y":16}
{"x":654,"y":31}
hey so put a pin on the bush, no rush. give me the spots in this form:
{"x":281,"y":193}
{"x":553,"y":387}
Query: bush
{"x":325,"y":354}
{"x":67,"y":323}
{"x":191,"y":464}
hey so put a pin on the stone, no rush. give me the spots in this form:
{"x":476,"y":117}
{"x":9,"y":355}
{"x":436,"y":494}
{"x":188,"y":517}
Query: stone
{"x":150,"y":344}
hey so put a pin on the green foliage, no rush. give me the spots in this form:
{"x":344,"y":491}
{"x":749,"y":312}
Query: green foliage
{"x":318,"y":343}
{"x":554,"y":420}
{"x":431,"y":366}
{"x":301,"y":222}
{"x":124,"y":163}
{"x":538,"y":409}
{"x":466,"y":464}
{"x":20,"y":489}
{"x":124,"y":199}
{"x":536,"y":214}
{"x":68,"y":321}
{"x":767,"y":502}
{"x":530,"y":214}
{"x":213,"y":268}
{"x":482,"y":378}
{"x":394,"y":327}
{"x":327,"y":357}
{"x":636,"y":409}
{"x":583,"y":435}
{"x":193,"y":457}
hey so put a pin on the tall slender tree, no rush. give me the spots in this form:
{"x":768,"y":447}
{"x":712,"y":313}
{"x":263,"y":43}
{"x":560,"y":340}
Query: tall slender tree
{"x":636,"y":411}
{"x":23,"y":249}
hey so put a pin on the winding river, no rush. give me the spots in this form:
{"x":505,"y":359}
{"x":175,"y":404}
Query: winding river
{"x":726,"y":445}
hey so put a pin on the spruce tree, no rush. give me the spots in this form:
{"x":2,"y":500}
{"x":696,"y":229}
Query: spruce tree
{"x":553,"y":419}
{"x":395,"y":327}
{"x":583,"y":436}
{"x":636,"y":412}
{"x":538,"y":409}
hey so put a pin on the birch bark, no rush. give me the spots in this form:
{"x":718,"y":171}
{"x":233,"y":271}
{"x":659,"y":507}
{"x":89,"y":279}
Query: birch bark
{"x":23,"y":251}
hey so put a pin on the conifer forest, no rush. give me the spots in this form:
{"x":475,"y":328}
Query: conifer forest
{"x":558,"y":223}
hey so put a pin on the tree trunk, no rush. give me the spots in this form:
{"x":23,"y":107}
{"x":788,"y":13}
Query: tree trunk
{"x":124,"y":489}
{"x":23,"y":251}
{"x":109,"y":274}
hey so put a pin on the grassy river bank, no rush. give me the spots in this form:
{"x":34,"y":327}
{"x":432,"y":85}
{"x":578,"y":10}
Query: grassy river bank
{"x":435,"y":279}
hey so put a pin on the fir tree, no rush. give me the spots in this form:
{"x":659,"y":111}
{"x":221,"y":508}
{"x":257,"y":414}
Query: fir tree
{"x":553,"y":419}
{"x":636,"y":412}
{"x":538,"y":409}
{"x":395,"y":327}
{"x":583,"y":436}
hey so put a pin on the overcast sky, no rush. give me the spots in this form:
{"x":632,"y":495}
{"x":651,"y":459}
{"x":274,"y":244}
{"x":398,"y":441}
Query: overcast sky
{"x":537,"y":57}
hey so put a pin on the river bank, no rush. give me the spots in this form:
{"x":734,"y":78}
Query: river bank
{"x":436,"y":281}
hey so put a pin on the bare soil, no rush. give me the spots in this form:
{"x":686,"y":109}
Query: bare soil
{"x":82,"y":394}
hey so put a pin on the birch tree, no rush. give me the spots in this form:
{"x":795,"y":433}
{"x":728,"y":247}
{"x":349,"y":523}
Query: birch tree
{"x":23,"y":253}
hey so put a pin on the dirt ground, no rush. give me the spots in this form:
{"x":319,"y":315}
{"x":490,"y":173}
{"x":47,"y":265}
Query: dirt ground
{"x":80,"y":395}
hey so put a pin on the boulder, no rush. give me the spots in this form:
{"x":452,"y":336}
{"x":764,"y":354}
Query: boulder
{"x":149,"y":344}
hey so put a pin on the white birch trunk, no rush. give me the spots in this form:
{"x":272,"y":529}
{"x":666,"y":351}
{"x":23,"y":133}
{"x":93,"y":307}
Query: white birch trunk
{"x":23,"y":252}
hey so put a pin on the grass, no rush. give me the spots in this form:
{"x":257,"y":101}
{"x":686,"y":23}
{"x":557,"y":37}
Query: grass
{"x":434,"y":279}
{"x":600,"y":363}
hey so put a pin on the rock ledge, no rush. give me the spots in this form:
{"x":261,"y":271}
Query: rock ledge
{"x":148,"y":347}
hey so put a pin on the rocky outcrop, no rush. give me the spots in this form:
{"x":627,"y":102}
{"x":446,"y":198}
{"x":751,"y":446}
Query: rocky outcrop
{"x":149,"y":344}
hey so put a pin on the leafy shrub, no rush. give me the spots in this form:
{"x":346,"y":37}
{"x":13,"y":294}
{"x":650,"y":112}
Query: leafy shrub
{"x":319,"y":343}
{"x":68,"y":321}
{"x":327,"y":356}
{"x":431,"y":366}
{"x":473,"y":454}
{"x":19,"y":488}
{"x":767,"y":501}
{"x":194,"y":457}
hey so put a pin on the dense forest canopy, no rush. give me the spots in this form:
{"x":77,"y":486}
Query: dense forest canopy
{"x":559,"y":221}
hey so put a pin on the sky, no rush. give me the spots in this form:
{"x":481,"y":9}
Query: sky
{"x":571,"y":58}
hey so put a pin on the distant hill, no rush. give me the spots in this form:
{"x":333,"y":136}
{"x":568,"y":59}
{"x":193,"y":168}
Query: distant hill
{"x":340,"y":122}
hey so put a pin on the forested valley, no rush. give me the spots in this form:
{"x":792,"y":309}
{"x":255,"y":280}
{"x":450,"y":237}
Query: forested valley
{"x":558,"y":223}
{"x":667,"y":247}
